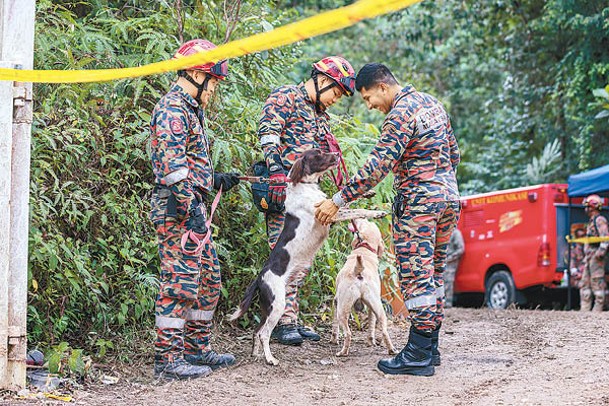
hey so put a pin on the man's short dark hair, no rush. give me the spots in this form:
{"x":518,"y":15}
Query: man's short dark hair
{"x":372,"y":74}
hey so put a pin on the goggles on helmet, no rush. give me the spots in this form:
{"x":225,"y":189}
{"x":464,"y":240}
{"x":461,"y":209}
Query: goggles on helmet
{"x":219,"y":69}
{"x":348,"y":84}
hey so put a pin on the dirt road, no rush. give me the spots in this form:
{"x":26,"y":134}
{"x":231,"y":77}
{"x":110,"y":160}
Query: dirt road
{"x":514,"y":357}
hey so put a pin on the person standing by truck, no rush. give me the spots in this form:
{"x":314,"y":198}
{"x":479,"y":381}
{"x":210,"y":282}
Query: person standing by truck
{"x":577,"y":262}
{"x":456,"y":248}
{"x":593,"y":279}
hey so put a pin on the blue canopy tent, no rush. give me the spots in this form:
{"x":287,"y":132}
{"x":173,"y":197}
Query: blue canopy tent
{"x":595,"y":181}
{"x":587,"y":183}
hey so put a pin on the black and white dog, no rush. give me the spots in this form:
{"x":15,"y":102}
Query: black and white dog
{"x":299,"y":241}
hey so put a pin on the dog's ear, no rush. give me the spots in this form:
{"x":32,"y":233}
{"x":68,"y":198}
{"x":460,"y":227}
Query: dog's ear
{"x":298,"y":171}
{"x":380,"y":249}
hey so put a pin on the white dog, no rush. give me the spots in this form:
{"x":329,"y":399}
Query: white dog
{"x":299,"y":241}
{"x":359,"y":279}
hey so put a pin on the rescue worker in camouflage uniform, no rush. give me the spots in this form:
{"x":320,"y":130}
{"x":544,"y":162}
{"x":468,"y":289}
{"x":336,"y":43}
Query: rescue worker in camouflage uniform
{"x":593,"y":279}
{"x":184,"y":176}
{"x":417,"y":144}
{"x":294,"y":120}
{"x":577,"y":264}
{"x":456,"y":248}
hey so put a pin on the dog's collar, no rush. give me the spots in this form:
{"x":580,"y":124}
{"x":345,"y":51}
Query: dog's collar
{"x":364,"y":244}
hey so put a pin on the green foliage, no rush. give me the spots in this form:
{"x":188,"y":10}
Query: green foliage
{"x":66,"y":361}
{"x":541,"y":169}
{"x":603,"y":96}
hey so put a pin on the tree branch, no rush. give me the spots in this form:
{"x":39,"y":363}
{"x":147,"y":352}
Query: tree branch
{"x":178,"y":6}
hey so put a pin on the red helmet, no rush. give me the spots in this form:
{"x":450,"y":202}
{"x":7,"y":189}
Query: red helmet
{"x":340,"y":70}
{"x":593,"y":201}
{"x":218,"y":69}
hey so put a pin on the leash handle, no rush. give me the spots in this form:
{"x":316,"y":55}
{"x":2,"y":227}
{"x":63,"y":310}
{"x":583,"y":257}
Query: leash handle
{"x":194,"y":237}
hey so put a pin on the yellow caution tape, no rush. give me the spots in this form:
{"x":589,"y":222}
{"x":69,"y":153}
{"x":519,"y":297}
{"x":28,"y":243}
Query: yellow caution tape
{"x":587,"y":240}
{"x":310,"y":27}
{"x":64,"y":398}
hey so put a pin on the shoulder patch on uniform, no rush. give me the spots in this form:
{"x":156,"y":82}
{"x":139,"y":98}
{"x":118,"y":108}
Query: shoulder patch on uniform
{"x":176,"y":126}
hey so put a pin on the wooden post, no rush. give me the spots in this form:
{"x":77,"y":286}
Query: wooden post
{"x":17,"y":46}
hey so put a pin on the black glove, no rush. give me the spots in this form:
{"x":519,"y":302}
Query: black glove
{"x":196,"y":218}
{"x":226,"y":180}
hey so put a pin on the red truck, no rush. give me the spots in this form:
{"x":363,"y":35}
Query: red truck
{"x":515,"y":242}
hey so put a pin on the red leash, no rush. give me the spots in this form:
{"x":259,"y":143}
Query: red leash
{"x":194,"y":237}
{"x":341,"y":174}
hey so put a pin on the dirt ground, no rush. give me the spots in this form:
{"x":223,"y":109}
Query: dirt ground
{"x":513,"y":357}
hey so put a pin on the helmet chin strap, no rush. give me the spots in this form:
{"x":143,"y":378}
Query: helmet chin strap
{"x":318,"y":91}
{"x":201,"y":87}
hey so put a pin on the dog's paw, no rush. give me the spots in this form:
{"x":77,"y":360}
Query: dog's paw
{"x":272,"y":361}
{"x":392,"y":351}
{"x":343,"y":353}
{"x":372,"y":342}
{"x":334,"y":340}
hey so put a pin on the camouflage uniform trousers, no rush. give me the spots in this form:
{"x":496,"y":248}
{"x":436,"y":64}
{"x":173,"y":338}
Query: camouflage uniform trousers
{"x":449,"y":282}
{"x":593,"y":283}
{"x":189,"y":289}
{"x":274,"y":225}
{"x":421,"y":237}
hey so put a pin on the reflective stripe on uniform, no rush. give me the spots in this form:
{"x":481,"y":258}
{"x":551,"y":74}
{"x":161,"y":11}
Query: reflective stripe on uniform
{"x":176,"y":176}
{"x":421,"y":301}
{"x":200,"y":315}
{"x":599,"y":293}
{"x":270,"y":139}
{"x":169,"y":322}
{"x":440,"y":292}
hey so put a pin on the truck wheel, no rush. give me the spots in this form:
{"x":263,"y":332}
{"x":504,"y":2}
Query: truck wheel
{"x":500,"y":290}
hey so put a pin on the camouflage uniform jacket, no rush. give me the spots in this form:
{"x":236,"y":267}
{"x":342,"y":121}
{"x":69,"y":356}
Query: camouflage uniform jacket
{"x":290,"y":125}
{"x":416,"y":143}
{"x":181,"y":159}
{"x":597,"y":227}
{"x":577,"y":259}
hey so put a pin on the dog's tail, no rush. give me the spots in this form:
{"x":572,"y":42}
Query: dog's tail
{"x":359,"y":267}
{"x":246,"y":302}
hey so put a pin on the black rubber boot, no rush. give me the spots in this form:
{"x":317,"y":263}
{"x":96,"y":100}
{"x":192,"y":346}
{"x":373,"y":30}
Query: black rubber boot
{"x":414,"y":359}
{"x":287,"y":334}
{"x":178,"y":369}
{"x":211,"y":359}
{"x":435,"y":353}
{"x":308,"y":333}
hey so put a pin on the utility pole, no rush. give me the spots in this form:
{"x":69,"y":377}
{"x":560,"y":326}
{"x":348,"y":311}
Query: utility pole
{"x":16,"y":51}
